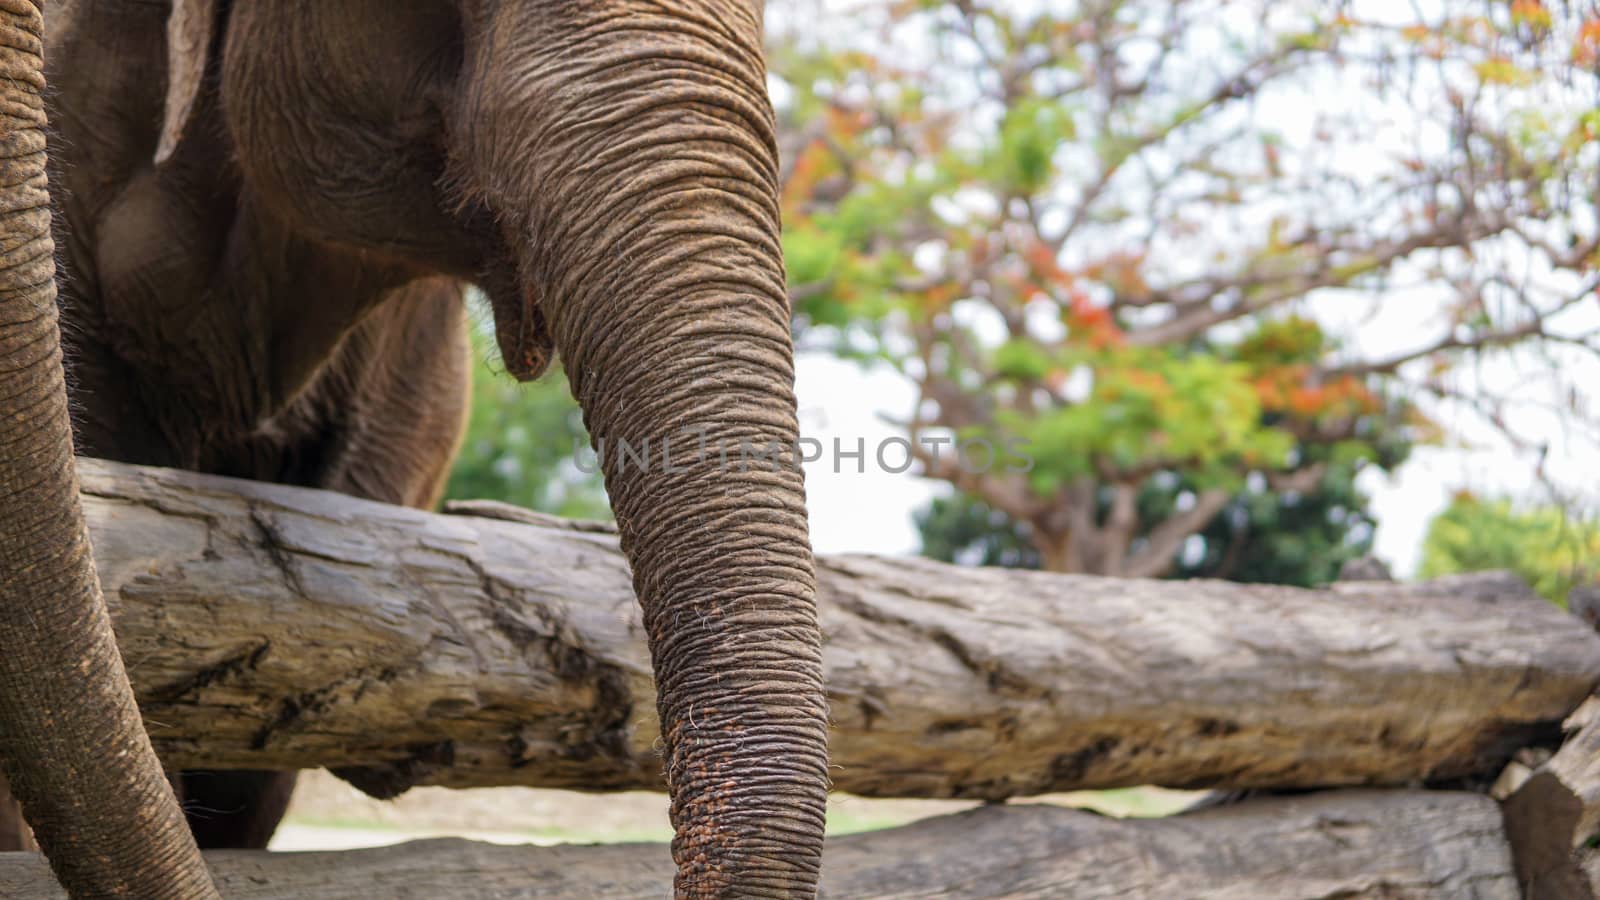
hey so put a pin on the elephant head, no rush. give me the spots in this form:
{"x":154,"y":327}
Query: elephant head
{"x":606,"y":172}
{"x":71,"y":741}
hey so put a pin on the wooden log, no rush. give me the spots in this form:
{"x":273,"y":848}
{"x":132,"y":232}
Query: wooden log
{"x":1410,"y":844}
{"x":272,"y":627}
{"x":1553,"y":818}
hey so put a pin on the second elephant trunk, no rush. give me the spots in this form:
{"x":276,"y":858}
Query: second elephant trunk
{"x":641,"y":143}
{"x":71,"y":740}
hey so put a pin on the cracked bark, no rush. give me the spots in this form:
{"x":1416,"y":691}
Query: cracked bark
{"x":1349,"y":844}
{"x":1553,"y":819}
{"x":272,"y":627}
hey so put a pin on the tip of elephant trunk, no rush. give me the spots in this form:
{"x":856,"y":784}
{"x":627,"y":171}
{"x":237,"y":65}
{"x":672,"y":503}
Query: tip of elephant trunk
{"x":526,"y":347}
{"x":525,"y":362}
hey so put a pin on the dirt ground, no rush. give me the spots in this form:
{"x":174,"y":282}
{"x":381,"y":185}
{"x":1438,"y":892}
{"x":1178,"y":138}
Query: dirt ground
{"x":327,"y":814}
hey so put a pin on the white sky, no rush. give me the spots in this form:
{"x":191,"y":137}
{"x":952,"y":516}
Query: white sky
{"x":851,"y":511}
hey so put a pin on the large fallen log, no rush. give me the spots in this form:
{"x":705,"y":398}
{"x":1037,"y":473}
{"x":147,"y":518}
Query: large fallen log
{"x":1553,"y":819}
{"x":1411,"y":844}
{"x":271,"y":627}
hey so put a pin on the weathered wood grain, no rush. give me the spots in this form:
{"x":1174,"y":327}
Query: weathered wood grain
{"x":1553,"y":819}
{"x":1349,"y":844}
{"x":273,"y":627}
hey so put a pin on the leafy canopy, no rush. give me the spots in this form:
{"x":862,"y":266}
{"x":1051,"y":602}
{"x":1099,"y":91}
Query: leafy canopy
{"x":1545,"y":545}
{"x":1140,"y":235}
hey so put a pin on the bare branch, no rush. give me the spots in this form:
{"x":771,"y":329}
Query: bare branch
{"x":1160,"y":550}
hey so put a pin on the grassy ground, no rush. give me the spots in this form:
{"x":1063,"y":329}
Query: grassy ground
{"x":328,"y":814}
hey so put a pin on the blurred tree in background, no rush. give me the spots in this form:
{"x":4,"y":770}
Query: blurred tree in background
{"x":1134,"y":235}
{"x":520,"y":443}
{"x":1265,"y":536}
{"x":961,"y":529}
{"x":1545,"y":545}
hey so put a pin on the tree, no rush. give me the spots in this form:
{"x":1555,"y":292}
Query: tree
{"x":1131,"y":238}
{"x":1545,"y":545}
{"x":1299,"y":538}
{"x":964,"y":530}
{"x":520,"y":444}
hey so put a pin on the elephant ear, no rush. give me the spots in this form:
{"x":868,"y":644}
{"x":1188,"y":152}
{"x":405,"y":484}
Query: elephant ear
{"x":190,"y":28}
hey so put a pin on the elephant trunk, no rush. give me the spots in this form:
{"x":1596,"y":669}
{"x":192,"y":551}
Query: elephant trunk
{"x":71,"y":741}
{"x":641,"y":141}
{"x":722,"y":565}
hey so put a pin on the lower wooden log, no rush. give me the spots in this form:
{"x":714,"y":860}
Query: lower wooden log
{"x":268,"y":627}
{"x":1553,"y":818}
{"x":1400,"y":844}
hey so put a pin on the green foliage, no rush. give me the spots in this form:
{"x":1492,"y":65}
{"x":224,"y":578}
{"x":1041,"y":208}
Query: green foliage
{"x":812,"y":255}
{"x":1283,"y":341}
{"x":520,"y":443}
{"x":1267,"y":537}
{"x":1021,"y":360}
{"x":961,"y":529}
{"x":1261,"y":536}
{"x":1149,"y":408}
{"x":1084,"y":228}
{"x":1546,"y":546}
{"x":840,"y":252}
{"x":1030,"y":134}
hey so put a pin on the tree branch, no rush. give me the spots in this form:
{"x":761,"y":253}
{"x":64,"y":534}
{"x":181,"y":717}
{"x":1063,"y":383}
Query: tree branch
{"x":1160,"y":550}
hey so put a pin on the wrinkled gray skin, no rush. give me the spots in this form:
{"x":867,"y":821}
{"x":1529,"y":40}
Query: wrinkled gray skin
{"x":263,"y":264}
{"x":70,"y":735}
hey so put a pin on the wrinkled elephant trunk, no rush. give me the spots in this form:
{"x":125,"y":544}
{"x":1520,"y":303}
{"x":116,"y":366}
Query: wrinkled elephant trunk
{"x":641,"y":141}
{"x":722,"y":567}
{"x":71,"y":740}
